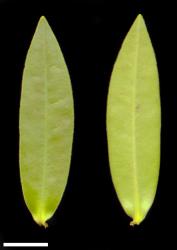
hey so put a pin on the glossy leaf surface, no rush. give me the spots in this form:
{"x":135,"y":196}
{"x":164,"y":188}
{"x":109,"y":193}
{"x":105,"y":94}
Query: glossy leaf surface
{"x":133,"y":123}
{"x":46,"y":125}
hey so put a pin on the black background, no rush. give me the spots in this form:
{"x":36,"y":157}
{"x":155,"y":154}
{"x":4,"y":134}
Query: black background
{"x":90,"y":34}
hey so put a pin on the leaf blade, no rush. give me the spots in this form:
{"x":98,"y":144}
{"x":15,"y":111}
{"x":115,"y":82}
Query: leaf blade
{"x":133,"y":123}
{"x":46,"y":124}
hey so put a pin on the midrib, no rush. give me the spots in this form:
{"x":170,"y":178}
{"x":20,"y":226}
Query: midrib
{"x":45,"y":118}
{"x":135,"y":171}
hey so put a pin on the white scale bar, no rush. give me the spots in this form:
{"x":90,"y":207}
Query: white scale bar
{"x":5,"y":244}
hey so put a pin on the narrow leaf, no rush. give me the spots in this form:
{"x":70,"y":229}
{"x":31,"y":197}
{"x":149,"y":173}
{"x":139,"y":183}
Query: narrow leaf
{"x":133,"y":123}
{"x":46,"y":125}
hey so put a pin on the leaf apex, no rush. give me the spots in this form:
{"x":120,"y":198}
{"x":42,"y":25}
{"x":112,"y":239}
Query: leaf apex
{"x":139,"y":19}
{"x":42,"y":21}
{"x":139,"y":16}
{"x":42,"y":18}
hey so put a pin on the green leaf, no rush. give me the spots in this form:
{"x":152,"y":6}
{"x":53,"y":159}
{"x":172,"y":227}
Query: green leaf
{"x":133,"y":123}
{"x":46,"y":125}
